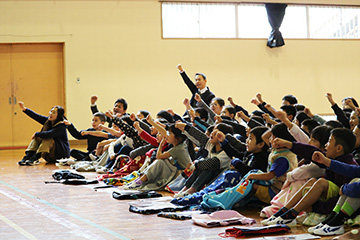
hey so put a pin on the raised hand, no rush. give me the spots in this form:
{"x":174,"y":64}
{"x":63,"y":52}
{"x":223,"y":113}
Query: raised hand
{"x":197,"y":97}
{"x":180,"y":68}
{"x":137,"y":126}
{"x":220,"y":136}
{"x":230,"y":99}
{"x":186,"y":102}
{"x":181,"y":126}
{"x":308,"y":112}
{"x":22,"y":106}
{"x":255,"y":101}
{"x":67,"y":122}
{"x":281,"y":143}
{"x":329,"y":96}
{"x":133,"y":117}
{"x":259,"y":97}
{"x":320,"y":158}
{"x":93,"y":99}
{"x":171,"y":112}
{"x":218,"y":119}
{"x":109,"y":114}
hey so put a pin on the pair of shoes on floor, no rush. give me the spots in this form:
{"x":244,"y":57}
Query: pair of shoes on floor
{"x":32,"y":162}
{"x":281,"y":221}
{"x":132,"y":185}
{"x":266,"y":221}
{"x":326,"y":230}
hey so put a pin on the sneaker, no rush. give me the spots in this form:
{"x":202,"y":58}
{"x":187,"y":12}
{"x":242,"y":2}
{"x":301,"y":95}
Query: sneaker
{"x":327,"y":230}
{"x":32,"y":162}
{"x":132,"y":186}
{"x":266,"y":221}
{"x":281,"y":221}
{"x":92,"y":157}
{"x":22,"y":162}
{"x":102,"y":170}
{"x":312,"y":229}
{"x":180,"y":194}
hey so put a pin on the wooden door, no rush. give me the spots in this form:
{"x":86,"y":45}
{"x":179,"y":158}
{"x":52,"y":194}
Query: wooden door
{"x":37,"y":79}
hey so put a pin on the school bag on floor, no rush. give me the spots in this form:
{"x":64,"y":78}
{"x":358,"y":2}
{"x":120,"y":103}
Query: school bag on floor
{"x":221,"y":218}
{"x":134,"y":194}
{"x":254,"y":231}
{"x":154,"y":205}
{"x":230,"y":196}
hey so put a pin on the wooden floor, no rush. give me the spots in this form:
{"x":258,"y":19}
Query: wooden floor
{"x":31,"y":209}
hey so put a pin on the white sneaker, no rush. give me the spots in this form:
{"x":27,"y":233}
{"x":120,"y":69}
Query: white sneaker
{"x":132,"y":186}
{"x":312,"y":229}
{"x":327,"y":230}
{"x":266,"y":221}
{"x":281,"y":221}
{"x":102,"y":170}
{"x":92,"y":157}
{"x":180,"y":194}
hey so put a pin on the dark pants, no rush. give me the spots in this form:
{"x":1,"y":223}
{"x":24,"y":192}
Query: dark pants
{"x":79,"y":155}
{"x":199,"y":178}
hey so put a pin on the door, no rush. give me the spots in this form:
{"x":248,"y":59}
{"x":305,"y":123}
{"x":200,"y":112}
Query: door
{"x":33,"y":74}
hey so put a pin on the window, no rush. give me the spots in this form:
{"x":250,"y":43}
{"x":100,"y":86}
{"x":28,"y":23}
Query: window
{"x":237,"y":20}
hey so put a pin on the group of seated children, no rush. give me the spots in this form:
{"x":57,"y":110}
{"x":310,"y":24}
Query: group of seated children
{"x":290,"y":159}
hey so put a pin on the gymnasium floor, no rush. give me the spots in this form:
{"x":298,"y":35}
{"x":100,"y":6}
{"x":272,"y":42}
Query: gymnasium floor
{"x":31,"y":209}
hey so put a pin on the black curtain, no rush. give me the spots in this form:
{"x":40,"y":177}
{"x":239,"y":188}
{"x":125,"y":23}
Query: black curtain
{"x":276,"y":13}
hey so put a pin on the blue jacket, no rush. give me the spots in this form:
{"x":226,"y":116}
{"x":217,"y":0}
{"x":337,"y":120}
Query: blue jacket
{"x":349,"y":189}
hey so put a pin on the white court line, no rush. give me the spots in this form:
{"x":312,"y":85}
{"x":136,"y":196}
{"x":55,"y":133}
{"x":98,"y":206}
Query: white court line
{"x":18,"y":228}
{"x":75,"y":229}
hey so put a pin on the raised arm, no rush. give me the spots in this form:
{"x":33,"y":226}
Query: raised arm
{"x":157,"y":126}
{"x":187,"y":80}
{"x":339,"y":113}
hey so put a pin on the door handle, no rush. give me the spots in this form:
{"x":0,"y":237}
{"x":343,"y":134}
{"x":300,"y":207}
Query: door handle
{"x":9,"y":100}
{"x":15,"y":101}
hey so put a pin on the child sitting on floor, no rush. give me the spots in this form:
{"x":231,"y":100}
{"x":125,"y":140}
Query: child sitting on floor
{"x":339,"y":146}
{"x":94,"y":135}
{"x":348,"y":202}
{"x":209,"y":167}
{"x":165,"y":168}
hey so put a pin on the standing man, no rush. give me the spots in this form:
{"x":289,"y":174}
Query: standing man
{"x":199,"y":87}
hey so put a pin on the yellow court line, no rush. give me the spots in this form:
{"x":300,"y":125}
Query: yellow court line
{"x":18,"y":228}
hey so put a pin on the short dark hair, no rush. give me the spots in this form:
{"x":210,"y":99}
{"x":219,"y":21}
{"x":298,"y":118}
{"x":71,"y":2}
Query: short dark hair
{"x":321,"y":134}
{"x":310,"y":124}
{"x":299,"y":107}
{"x":258,"y":132}
{"x":345,"y":137}
{"x":101,"y":116}
{"x":290,"y":110}
{"x":203,"y":113}
{"x":220,"y":101}
{"x":257,"y":113}
{"x":280,"y":131}
{"x":167,"y":116}
{"x":352,"y":99}
{"x":334,"y":124}
{"x":224,"y":128}
{"x":145,"y":113}
{"x":301,"y":116}
{"x":200,"y":74}
{"x":123,"y":102}
{"x":290,"y":98}
{"x":177,"y":133}
{"x":210,"y":129}
{"x":230,"y":109}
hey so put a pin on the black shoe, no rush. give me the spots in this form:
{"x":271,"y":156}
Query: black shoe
{"x":22,"y":162}
{"x":34,"y":160}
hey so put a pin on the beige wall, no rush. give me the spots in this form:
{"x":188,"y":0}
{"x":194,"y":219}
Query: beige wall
{"x":116,"y":49}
